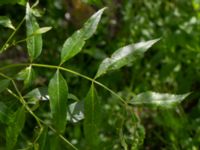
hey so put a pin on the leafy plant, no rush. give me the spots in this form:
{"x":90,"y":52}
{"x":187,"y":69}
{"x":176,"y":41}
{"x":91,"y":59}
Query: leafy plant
{"x":46,"y":110}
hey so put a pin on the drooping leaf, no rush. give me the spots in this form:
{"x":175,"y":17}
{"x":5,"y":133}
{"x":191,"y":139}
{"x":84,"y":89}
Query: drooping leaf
{"x":34,"y":43}
{"x":92,"y":118}
{"x":58,"y":93}
{"x":4,"y":84}
{"x":158,"y":99}
{"x":27,"y":75}
{"x":76,"y":112}
{"x":16,"y":125}
{"x":124,"y":56}
{"x":6,"y":22}
{"x":75,"y":43}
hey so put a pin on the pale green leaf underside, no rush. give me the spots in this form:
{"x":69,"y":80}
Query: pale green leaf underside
{"x":124,"y":56}
{"x":158,"y":99}
{"x":6,"y":22}
{"x":34,"y":42}
{"x":75,"y":43}
{"x":58,"y":93}
{"x":92,"y":117}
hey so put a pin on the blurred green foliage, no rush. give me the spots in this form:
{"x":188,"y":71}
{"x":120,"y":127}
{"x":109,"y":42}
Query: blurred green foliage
{"x":172,"y":66}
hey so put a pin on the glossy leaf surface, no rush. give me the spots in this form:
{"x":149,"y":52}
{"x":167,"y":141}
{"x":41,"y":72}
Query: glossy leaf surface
{"x":124,"y":56}
{"x":158,"y":99}
{"x":58,"y":93}
{"x":34,"y":42}
{"x":75,"y":43}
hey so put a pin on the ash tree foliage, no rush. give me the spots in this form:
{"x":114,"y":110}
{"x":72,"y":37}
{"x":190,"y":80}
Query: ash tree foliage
{"x":40,"y":106}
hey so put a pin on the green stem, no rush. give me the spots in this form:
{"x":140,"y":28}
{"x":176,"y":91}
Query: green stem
{"x":5,"y":46}
{"x":70,"y":71}
{"x":83,"y":76}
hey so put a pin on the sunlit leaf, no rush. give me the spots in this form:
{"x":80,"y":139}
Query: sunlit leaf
{"x":34,"y":43}
{"x":75,"y":43}
{"x":42,"y":30}
{"x":76,"y":112}
{"x":4,"y":84}
{"x":6,"y":22}
{"x":158,"y":99}
{"x":124,"y":56}
{"x":27,"y":75}
{"x":16,"y":124}
{"x":92,"y":118}
{"x":58,"y":93}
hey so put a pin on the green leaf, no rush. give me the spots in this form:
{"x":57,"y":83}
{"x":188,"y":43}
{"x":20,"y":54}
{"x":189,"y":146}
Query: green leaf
{"x":27,"y":75}
{"x":158,"y":99}
{"x":92,"y":118}
{"x":75,"y":43}
{"x":20,"y":2}
{"x":42,"y":141}
{"x":16,"y":125}
{"x":42,"y":30}
{"x":4,"y":113}
{"x":4,"y":84}
{"x":58,"y":93}
{"x":124,"y":56}
{"x":6,"y":22}
{"x":34,"y":43}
